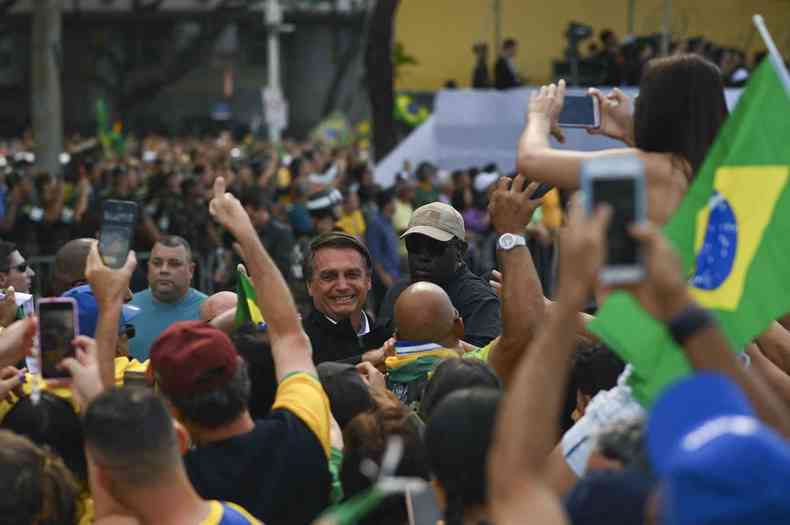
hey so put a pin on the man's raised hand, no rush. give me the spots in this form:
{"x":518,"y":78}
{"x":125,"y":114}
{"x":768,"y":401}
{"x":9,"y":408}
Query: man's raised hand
{"x":16,"y":341}
{"x":85,"y":381}
{"x":582,"y":252}
{"x":8,"y":307}
{"x":511,"y":207}
{"x":664,"y":291}
{"x":108,"y":285}
{"x":227,"y":210}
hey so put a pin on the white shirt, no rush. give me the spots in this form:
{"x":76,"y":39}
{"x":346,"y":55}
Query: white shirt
{"x":364,"y":328}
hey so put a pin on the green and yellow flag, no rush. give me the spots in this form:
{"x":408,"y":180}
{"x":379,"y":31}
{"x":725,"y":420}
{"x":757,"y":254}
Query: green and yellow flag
{"x":733,"y":233}
{"x":247,"y":310}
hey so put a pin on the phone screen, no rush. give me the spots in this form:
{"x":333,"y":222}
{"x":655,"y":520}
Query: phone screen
{"x":620,"y":194}
{"x":422,"y":507}
{"x":117,"y":231}
{"x":577,"y":110}
{"x":56,"y":332}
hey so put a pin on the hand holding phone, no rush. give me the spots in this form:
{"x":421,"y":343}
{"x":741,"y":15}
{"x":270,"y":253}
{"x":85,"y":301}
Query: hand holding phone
{"x":619,"y":182}
{"x":57,"y":329}
{"x":617,"y":115}
{"x":580,"y":111}
{"x":117,"y":231}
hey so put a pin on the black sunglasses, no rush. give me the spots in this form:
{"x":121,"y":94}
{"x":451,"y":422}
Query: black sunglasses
{"x":21,"y":268}
{"x":128,"y":330}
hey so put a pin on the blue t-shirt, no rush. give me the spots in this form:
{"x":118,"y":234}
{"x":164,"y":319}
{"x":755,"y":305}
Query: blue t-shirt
{"x":383,"y":244}
{"x":155,"y":317}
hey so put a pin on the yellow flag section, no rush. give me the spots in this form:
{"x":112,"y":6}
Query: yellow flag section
{"x":730,"y":228}
{"x":255,"y":313}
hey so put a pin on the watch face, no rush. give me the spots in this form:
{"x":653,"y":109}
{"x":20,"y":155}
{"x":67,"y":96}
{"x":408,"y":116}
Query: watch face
{"x":507,"y":242}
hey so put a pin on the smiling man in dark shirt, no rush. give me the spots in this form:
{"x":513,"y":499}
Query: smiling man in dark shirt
{"x":436,"y":246}
{"x":338,"y":271}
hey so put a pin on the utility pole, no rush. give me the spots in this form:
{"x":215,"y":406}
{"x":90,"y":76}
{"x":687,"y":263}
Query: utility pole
{"x":666,"y":28}
{"x":632,"y":17}
{"x":46,"y":102}
{"x":497,"y":5}
{"x":276,"y":107}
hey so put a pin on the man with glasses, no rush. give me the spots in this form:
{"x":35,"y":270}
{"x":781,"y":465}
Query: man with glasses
{"x":436,"y":246}
{"x":14,"y":270}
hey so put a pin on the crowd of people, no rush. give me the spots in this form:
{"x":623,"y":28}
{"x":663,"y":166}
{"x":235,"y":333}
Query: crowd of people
{"x":293,"y":193}
{"x":430,"y":335}
{"x":611,"y":61}
{"x":623,"y":61}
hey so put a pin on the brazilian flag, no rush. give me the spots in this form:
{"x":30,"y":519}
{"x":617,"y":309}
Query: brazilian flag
{"x":408,"y":111}
{"x":732,"y":231}
{"x":408,"y":371}
{"x":247,"y":310}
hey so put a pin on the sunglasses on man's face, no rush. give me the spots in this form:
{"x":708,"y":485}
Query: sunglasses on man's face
{"x":21,"y":268}
{"x":426,"y":245}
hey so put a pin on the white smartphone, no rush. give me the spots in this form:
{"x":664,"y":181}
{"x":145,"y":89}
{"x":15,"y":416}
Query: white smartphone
{"x":57,"y":328}
{"x":620,"y":182}
{"x":580,"y":111}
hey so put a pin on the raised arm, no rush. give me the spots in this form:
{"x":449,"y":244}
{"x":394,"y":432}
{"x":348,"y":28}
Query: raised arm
{"x":537,"y":160}
{"x":110,"y":288}
{"x":665,"y":295}
{"x":519,"y":492}
{"x":522,"y":295}
{"x":775,"y":345}
{"x":16,"y":341}
{"x":291,"y":349}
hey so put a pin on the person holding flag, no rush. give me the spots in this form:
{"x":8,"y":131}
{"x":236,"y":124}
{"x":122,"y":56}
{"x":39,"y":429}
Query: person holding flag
{"x":711,"y":439}
{"x":727,"y":233}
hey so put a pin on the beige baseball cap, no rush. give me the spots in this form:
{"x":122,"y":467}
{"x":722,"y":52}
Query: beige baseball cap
{"x":437,"y":220}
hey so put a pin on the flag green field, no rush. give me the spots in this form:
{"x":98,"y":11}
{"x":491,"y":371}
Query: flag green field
{"x":732,"y":231}
{"x":247,"y":310}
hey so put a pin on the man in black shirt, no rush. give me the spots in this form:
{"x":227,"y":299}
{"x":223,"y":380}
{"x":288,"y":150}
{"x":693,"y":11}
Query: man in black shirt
{"x":338,"y":272}
{"x":506,"y":75}
{"x":436,"y":246}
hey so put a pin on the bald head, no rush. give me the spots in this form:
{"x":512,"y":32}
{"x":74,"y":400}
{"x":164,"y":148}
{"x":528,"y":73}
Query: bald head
{"x":217,"y":304}
{"x":70,"y":262}
{"x":424,"y":312}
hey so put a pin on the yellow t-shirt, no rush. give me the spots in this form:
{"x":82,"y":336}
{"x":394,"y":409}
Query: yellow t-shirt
{"x":481,"y":353}
{"x":552,"y":210}
{"x":126,"y":371}
{"x":353,"y":224}
{"x":302,"y":394}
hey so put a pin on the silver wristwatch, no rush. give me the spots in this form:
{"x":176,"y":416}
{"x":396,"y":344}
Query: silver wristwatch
{"x":508,"y":241}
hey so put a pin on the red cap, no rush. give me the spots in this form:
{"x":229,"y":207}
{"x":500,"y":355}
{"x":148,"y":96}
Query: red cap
{"x":192,"y":357}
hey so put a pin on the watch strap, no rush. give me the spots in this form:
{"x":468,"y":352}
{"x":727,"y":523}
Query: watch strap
{"x":519,"y":240}
{"x":688,"y":322}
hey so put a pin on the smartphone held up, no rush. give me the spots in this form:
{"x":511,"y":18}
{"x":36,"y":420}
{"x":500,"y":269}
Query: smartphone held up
{"x":580,"y":111}
{"x":119,"y":219}
{"x":57,"y":328}
{"x":618,"y":181}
